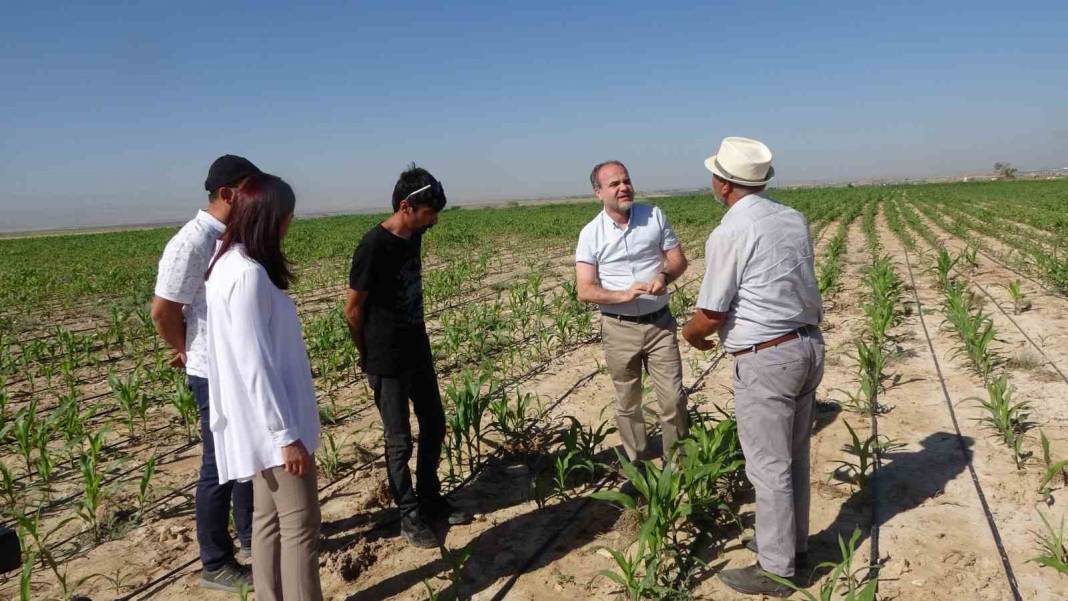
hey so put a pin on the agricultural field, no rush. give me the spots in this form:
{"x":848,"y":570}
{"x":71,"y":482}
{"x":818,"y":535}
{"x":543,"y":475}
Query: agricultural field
{"x":939,"y":458}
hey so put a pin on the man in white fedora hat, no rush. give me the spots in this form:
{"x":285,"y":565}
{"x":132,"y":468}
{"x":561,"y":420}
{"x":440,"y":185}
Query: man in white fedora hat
{"x":624,"y":261}
{"x":760,"y":295}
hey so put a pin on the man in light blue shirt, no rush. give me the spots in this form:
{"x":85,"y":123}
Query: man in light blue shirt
{"x":625,"y":259}
{"x":760,"y":295}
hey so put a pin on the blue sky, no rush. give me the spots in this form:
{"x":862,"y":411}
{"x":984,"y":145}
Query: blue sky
{"x":112,"y":113}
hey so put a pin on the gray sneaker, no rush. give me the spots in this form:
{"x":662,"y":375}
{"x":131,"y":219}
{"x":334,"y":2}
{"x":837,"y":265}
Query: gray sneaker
{"x":244,"y":552}
{"x":230,"y":578}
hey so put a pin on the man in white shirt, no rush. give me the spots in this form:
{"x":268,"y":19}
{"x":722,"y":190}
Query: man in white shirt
{"x":760,"y":295}
{"x":625,"y":259}
{"x":179,"y":311}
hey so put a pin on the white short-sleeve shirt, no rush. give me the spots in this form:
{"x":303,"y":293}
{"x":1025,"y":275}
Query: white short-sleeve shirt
{"x":625,"y":255}
{"x":760,"y":270}
{"x":181,"y":279}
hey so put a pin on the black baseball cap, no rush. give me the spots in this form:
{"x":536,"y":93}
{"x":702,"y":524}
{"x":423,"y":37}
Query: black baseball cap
{"x":228,"y":170}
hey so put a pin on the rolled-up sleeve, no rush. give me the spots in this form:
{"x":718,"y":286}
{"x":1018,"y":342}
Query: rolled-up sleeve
{"x":722,"y":275}
{"x":250,"y":314}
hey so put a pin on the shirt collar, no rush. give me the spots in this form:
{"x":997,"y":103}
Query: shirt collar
{"x":612,"y":222}
{"x":209,"y":220}
{"x":744,"y":202}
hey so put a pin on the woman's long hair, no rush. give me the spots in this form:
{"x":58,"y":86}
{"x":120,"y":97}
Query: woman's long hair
{"x":261,"y":206}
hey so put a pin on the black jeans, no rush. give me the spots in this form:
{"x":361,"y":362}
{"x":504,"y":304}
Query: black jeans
{"x":213,"y":499}
{"x":391,"y":398}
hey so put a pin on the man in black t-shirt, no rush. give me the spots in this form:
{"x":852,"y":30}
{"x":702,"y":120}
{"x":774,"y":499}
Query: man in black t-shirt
{"x":384,"y":311}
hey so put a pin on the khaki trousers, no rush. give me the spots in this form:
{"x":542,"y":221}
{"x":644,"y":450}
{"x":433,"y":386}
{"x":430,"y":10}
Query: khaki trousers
{"x":774,"y":391}
{"x":285,"y":536}
{"x":627,"y":348}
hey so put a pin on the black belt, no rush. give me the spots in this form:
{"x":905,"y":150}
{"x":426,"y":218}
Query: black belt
{"x":647,"y":318}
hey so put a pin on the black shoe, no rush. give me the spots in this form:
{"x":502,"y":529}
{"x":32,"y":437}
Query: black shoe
{"x":418,"y":533}
{"x":752,"y":581}
{"x":231,"y":578}
{"x":441,"y":509}
{"x":800,"y":559}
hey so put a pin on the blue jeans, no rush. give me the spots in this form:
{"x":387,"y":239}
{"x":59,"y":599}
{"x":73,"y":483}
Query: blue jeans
{"x":213,"y":499}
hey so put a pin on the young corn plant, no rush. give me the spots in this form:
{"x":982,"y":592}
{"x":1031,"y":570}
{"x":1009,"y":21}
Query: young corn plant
{"x":1052,"y":552}
{"x":710,"y":460}
{"x":184,"y":402}
{"x":662,"y":555}
{"x":92,"y":483}
{"x":1020,"y":303}
{"x":969,"y":256}
{"x":469,"y":403}
{"x":858,"y":471}
{"x":848,"y":583}
{"x":329,"y":456}
{"x":144,"y":487}
{"x":943,"y":267}
{"x":516,"y":422}
{"x":1051,"y":470}
{"x":1006,"y":418}
{"x":24,"y":429}
{"x":130,"y":397}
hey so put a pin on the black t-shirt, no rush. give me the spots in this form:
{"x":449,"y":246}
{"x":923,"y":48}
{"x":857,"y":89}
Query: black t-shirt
{"x":389,"y":269}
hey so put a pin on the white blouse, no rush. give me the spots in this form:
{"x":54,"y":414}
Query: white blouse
{"x":261,"y":395}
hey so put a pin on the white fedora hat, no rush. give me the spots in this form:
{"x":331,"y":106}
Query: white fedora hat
{"x":742,"y":161}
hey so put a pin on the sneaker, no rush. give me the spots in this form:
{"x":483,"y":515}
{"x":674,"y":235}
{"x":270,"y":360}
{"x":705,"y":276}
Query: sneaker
{"x":440,"y":508}
{"x":230,"y":578}
{"x":753,"y":581}
{"x":800,"y":559}
{"x":418,"y":533}
{"x":244,"y":552}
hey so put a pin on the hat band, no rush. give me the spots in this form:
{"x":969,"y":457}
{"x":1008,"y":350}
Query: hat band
{"x":732,"y":176}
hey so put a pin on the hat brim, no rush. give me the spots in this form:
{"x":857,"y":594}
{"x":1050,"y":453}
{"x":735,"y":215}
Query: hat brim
{"x":710,"y":164}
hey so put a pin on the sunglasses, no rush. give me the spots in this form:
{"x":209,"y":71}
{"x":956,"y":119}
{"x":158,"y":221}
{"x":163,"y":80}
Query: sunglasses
{"x":435,"y":186}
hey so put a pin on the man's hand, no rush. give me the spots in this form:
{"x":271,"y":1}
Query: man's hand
{"x":696,"y":340}
{"x":703,"y":324}
{"x":296,"y":459}
{"x":177,"y":360}
{"x":637,"y":289}
{"x":658,"y":287}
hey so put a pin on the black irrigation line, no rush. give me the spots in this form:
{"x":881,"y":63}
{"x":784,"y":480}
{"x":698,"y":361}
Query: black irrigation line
{"x":1002,"y":554}
{"x":566,"y":523}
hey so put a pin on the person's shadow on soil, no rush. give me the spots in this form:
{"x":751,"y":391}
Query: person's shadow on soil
{"x":906,"y":480}
{"x":510,"y":548}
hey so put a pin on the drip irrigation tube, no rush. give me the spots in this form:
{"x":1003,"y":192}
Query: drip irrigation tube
{"x":1002,"y":554}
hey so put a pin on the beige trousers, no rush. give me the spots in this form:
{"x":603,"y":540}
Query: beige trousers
{"x":285,"y":536}
{"x":627,"y":348}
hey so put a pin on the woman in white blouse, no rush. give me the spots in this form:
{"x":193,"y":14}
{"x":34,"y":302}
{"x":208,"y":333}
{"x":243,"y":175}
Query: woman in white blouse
{"x":264,"y":417}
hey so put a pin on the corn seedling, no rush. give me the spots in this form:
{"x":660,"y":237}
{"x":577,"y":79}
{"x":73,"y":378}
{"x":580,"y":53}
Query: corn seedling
{"x":184,"y":402}
{"x":144,"y":486}
{"x":130,"y":397}
{"x":858,"y":471}
{"x":969,"y":256}
{"x":329,"y":456}
{"x":1051,"y":470}
{"x":1052,"y":552}
{"x":1008,"y":419}
{"x":92,"y":482}
{"x":850,"y":584}
{"x":943,"y":267}
{"x":1019,"y":300}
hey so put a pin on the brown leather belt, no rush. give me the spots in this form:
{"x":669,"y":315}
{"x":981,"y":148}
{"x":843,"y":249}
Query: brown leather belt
{"x":769,"y":344}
